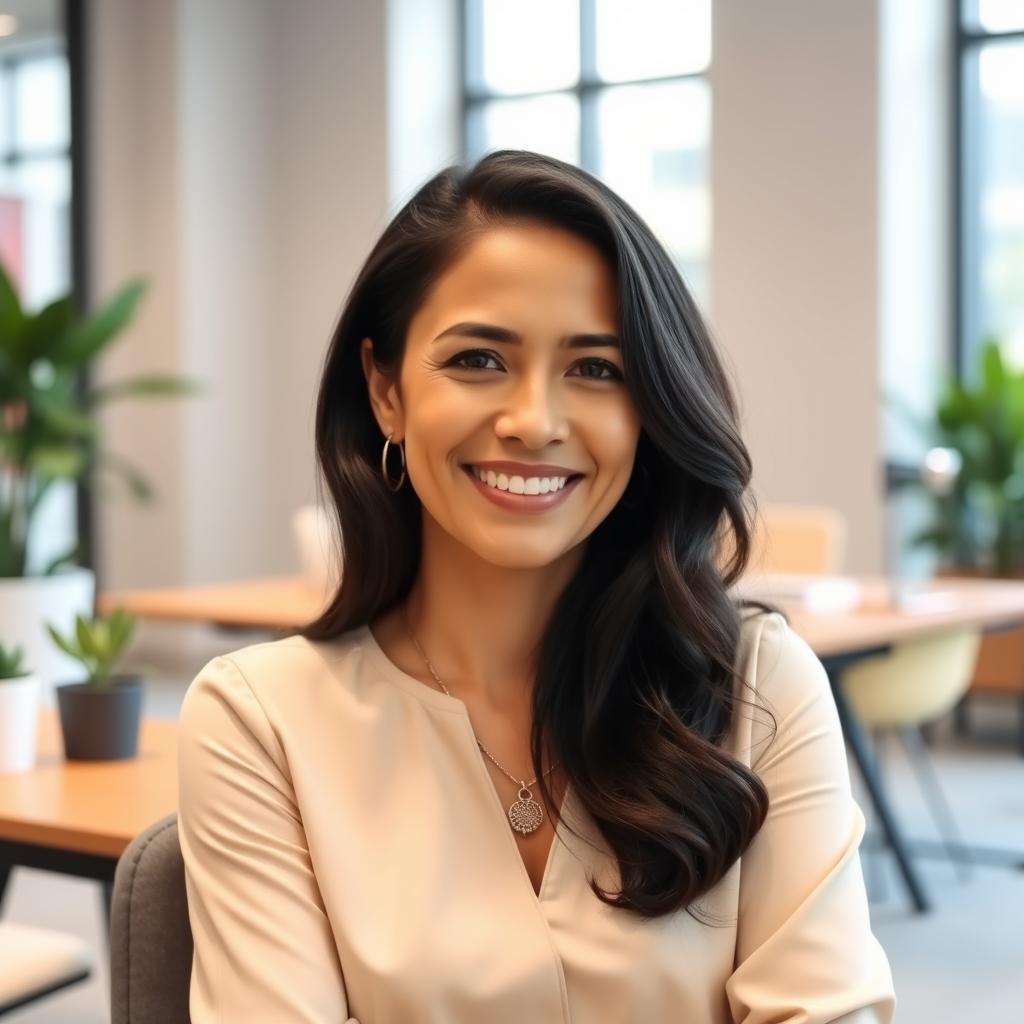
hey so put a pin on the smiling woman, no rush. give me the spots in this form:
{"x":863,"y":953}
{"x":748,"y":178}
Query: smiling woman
{"x":533,"y":646}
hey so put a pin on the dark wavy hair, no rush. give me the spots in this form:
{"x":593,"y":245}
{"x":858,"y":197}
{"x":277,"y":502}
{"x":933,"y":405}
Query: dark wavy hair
{"x":636,"y":680}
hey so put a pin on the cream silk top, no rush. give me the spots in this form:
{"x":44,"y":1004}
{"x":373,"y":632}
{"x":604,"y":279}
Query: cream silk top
{"x":348,"y":859}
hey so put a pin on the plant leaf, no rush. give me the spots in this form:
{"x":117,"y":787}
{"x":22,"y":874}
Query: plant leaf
{"x":151,"y":384}
{"x":138,"y":485}
{"x":12,"y":319}
{"x":57,"y":461}
{"x":44,"y":331}
{"x":91,"y":334}
{"x":64,"y":644}
{"x":69,"y":556}
{"x":85,"y":636}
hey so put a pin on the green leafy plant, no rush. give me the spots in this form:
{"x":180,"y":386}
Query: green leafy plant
{"x":97,"y":643}
{"x":49,"y":428}
{"x":980,"y":524}
{"x":11,"y":664}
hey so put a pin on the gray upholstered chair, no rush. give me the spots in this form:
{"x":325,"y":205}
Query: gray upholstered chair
{"x":150,"y":936}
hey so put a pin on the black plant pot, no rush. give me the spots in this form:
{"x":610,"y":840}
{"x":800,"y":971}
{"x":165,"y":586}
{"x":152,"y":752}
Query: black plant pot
{"x":101,"y":723}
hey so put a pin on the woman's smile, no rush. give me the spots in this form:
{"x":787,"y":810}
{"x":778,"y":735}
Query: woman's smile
{"x":524,"y":503}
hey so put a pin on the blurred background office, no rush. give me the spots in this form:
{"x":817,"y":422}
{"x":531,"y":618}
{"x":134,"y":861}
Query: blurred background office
{"x":841,"y":183}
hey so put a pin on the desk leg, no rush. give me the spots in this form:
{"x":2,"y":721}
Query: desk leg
{"x":854,"y":734}
{"x":5,"y":877}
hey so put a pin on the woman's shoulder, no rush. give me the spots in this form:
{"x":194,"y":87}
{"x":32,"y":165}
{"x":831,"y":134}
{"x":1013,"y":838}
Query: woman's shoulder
{"x":780,"y":670}
{"x":767,"y":640}
{"x":290,"y":673}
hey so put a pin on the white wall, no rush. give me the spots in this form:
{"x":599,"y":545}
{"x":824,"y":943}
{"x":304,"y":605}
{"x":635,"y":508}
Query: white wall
{"x":794,"y":289}
{"x":239,"y":160}
{"x":830,"y":239}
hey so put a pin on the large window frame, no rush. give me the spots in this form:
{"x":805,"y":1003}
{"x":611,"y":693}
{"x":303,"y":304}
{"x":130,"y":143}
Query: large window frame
{"x":587,"y":90}
{"x":968,"y":43}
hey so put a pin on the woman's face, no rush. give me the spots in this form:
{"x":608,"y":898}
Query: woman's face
{"x":466,"y":397}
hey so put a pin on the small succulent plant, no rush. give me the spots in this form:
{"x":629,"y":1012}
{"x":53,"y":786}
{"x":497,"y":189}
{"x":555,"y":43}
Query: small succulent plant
{"x":97,"y":643}
{"x":11,"y":665}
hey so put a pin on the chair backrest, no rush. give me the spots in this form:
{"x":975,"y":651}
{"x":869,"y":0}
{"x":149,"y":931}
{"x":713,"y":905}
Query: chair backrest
{"x":798,"y":539}
{"x":918,"y":681}
{"x":150,"y":935}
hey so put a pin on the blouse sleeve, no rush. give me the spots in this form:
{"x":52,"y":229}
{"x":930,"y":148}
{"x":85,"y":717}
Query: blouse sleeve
{"x":263,"y":946}
{"x":805,"y":952}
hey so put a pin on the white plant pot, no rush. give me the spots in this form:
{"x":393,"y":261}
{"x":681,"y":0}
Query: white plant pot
{"x":19,"y":723}
{"x":26,"y":603}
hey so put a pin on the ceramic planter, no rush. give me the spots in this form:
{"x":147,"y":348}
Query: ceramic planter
{"x":101,"y":723}
{"x":26,"y":602}
{"x":19,"y":721}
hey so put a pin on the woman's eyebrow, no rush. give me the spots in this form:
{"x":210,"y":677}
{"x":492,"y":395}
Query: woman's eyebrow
{"x":503,"y":335}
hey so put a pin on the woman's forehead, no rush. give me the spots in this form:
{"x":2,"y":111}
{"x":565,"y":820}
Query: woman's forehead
{"x":551,"y":269}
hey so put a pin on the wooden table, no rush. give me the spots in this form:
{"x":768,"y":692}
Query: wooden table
{"x":276,"y":603}
{"x":281,"y":604}
{"x":78,"y":817}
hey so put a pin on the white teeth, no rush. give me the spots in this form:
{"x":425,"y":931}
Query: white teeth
{"x":518,"y":484}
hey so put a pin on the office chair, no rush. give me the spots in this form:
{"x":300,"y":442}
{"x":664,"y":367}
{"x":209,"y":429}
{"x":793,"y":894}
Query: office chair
{"x":917,"y":682}
{"x":150,"y":935}
{"x":36,"y":962}
{"x":798,"y":539}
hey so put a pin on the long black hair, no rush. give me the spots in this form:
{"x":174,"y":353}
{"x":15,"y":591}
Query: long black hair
{"x":636,"y":683}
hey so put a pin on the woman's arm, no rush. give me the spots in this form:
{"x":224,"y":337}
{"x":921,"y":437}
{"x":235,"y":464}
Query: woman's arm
{"x":805,"y":950}
{"x":264,"y":950}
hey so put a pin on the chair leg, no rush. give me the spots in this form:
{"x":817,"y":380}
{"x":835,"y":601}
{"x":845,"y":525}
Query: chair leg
{"x":5,"y":877}
{"x":876,"y":862}
{"x":1020,"y":727}
{"x":961,"y":724}
{"x":929,"y":783}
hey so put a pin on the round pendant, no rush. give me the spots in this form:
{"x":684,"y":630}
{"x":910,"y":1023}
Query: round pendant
{"x":525,"y":814}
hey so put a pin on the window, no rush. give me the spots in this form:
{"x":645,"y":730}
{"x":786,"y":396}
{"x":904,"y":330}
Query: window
{"x":990,"y":179}
{"x":35,"y":162}
{"x":617,"y":87}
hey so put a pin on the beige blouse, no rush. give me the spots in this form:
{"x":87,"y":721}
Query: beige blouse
{"x":347,"y":858}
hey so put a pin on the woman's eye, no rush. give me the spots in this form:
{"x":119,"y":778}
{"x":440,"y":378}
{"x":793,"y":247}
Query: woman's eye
{"x":602,"y":364}
{"x":473,"y":354}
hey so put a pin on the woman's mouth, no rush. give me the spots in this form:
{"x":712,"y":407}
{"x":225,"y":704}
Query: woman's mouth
{"x":528,"y":503}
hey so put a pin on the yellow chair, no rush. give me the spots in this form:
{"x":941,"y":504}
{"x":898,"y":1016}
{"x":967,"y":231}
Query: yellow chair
{"x":798,"y":539}
{"x":915,"y":684}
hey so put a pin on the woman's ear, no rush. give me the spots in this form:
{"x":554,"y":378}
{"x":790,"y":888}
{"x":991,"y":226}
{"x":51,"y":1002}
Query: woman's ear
{"x":383,"y":395}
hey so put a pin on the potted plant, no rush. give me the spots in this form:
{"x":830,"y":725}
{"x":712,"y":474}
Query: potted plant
{"x":978,"y":528}
{"x":99,"y":718}
{"x":979,"y":525}
{"x":19,"y":708}
{"x":49,"y":432}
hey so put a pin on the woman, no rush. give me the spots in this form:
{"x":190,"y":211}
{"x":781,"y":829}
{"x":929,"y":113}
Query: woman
{"x":510,"y":773}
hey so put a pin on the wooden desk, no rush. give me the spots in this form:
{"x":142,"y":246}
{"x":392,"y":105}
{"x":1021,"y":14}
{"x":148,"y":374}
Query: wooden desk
{"x":283,"y":603}
{"x":277,"y":603}
{"x":77,"y":817}
{"x":838,"y":638}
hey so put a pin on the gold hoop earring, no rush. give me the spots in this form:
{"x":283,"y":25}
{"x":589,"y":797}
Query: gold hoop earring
{"x":384,"y":464}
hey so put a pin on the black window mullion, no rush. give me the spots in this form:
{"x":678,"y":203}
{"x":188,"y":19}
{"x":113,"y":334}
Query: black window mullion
{"x":960,"y":355}
{"x":587,"y":93}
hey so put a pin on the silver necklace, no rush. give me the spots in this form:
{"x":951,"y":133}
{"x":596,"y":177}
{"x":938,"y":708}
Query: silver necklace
{"x":525,"y":814}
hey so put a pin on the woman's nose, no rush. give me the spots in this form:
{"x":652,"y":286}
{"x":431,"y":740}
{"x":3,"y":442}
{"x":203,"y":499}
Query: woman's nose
{"x":535,"y":414}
